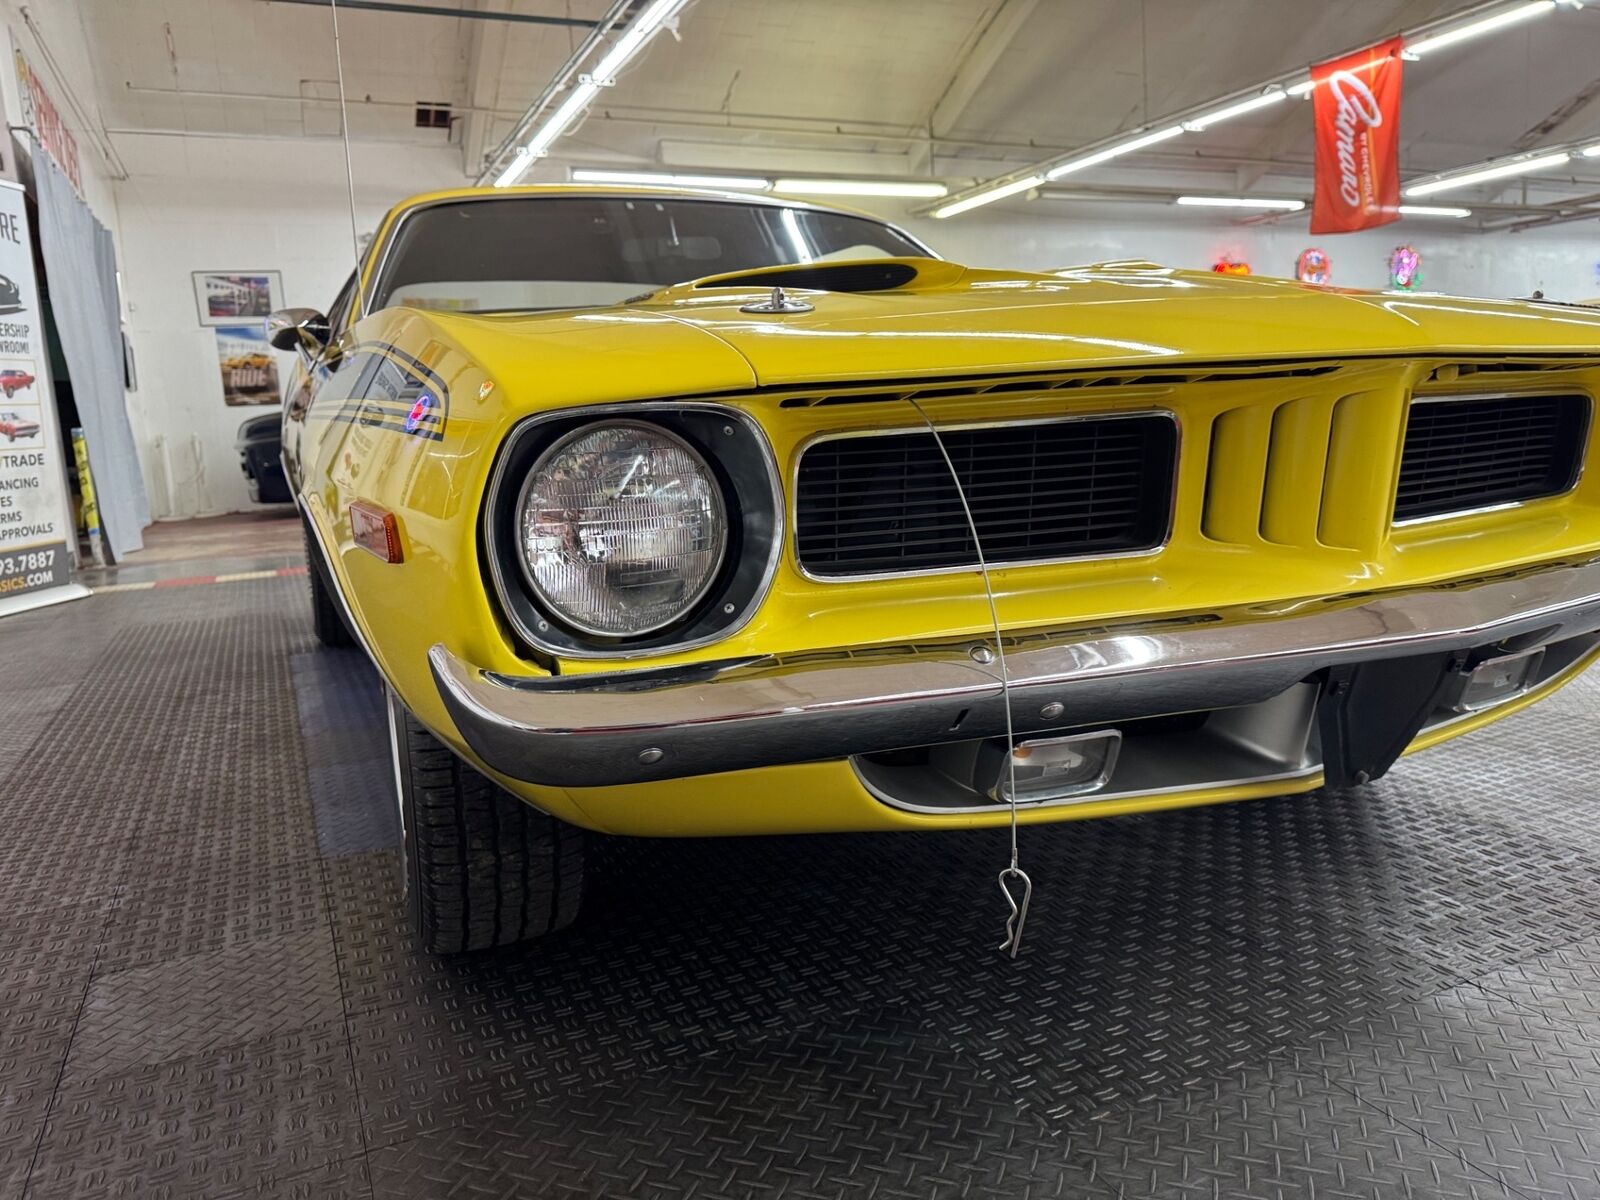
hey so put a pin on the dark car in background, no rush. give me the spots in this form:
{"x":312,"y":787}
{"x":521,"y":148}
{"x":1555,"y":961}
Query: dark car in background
{"x":259,"y":444}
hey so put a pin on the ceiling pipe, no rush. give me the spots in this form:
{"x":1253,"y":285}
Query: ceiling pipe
{"x":468,"y":14}
{"x":1561,"y":212}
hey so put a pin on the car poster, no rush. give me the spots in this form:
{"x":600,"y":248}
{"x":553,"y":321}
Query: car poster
{"x":35,"y":521}
{"x":249,"y":372}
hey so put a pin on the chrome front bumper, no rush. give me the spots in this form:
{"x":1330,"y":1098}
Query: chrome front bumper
{"x":642,"y":725}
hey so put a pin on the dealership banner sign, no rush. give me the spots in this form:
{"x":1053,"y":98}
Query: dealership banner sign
{"x":40,"y":114}
{"x":1356,"y":105}
{"x":35,"y":528}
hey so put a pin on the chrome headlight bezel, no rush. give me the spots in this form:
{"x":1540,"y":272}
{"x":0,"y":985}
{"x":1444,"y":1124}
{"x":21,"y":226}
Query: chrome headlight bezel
{"x":735,"y":450}
{"x":541,"y":466}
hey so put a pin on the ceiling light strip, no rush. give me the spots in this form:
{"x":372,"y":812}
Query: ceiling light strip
{"x":1241,"y":202}
{"x":1450,"y":37}
{"x":988,"y":197}
{"x":1142,"y":142}
{"x":1269,"y":97}
{"x":909,"y":189}
{"x":913,"y":189}
{"x":1522,"y":165}
{"x":634,"y":39}
{"x":736,"y":183}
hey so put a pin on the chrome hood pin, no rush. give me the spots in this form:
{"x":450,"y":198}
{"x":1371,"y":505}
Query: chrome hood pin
{"x":778,"y":302}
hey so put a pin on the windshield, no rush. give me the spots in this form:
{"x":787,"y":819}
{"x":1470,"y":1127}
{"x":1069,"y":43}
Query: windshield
{"x":536,"y":252}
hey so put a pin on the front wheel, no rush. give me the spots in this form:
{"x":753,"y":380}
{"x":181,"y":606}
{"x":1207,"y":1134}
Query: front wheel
{"x":327,"y":622}
{"x":482,"y":868}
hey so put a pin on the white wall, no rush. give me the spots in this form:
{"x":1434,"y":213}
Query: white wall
{"x":1562,"y":261}
{"x":224,"y":204}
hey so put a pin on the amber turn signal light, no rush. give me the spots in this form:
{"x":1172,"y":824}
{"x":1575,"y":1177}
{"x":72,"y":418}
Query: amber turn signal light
{"x":376,"y":531}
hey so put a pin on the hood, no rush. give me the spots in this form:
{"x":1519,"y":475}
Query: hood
{"x":910,"y":318}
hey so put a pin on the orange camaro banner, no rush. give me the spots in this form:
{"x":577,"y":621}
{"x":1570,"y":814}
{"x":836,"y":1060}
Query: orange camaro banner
{"x":1357,"y":108}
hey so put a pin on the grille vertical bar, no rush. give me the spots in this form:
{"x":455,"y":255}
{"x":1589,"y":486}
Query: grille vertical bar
{"x":1084,"y":486}
{"x":1471,"y":453}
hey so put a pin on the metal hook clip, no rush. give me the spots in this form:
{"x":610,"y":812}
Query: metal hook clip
{"x":1019,"y":913}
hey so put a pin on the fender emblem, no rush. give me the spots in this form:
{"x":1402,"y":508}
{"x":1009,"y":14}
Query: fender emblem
{"x":419,"y":412}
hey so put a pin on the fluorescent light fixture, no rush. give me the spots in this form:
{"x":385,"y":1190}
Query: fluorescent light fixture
{"x":1303,"y":88}
{"x":1241,"y":202}
{"x":862,"y":187}
{"x":630,"y":43}
{"x":554,"y":126}
{"x":1472,"y":29}
{"x":1521,"y":166}
{"x":989,"y":197}
{"x":736,"y":183}
{"x":1429,"y":210}
{"x":1235,"y":110}
{"x":1590,"y":151}
{"x":638,"y":33}
{"x":1117,"y":151}
{"x":514,"y":171}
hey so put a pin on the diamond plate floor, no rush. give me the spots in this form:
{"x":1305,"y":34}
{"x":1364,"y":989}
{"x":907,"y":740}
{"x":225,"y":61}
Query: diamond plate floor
{"x":207,"y":987}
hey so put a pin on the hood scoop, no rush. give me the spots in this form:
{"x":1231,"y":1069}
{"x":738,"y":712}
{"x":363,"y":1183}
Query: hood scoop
{"x":878,"y":275}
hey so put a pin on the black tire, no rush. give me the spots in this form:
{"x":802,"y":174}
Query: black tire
{"x":10,"y":391}
{"x":483,"y":868}
{"x":327,"y":618}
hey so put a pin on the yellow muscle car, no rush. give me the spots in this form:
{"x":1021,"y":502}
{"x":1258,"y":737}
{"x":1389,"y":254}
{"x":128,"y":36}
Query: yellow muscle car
{"x":674,"y":513}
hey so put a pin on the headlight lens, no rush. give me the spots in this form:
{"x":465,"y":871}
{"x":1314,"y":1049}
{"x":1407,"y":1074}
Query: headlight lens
{"x":622,"y":528}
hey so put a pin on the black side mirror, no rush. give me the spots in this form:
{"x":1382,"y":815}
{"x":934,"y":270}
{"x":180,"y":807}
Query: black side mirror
{"x":298,"y":329}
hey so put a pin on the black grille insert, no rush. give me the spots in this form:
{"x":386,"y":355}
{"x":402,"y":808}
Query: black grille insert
{"x":1064,"y":489}
{"x":1473,"y":453}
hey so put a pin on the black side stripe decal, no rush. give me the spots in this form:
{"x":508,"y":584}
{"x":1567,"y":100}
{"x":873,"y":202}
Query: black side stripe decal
{"x":389,"y":390}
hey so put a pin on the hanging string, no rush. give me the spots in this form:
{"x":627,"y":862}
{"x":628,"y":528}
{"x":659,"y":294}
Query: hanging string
{"x":349,"y":169}
{"x":1012,"y":876}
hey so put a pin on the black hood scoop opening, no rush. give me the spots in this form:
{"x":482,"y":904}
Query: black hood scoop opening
{"x":823,"y":277}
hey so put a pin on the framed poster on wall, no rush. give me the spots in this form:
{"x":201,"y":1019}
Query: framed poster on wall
{"x":249,"y":373}
{"x":234,"y":297}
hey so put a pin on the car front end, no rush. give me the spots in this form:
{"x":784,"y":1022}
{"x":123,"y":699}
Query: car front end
{"x":839,"y":536}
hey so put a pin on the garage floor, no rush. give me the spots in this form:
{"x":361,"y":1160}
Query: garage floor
{"x":207,"y":988}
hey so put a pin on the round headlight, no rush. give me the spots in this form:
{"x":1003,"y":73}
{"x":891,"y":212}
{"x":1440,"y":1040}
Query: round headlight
{"x":622,"y":528}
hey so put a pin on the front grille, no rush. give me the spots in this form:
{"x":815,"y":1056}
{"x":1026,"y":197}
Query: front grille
{"x":1468,"y":454}
{"x":885,"y":504}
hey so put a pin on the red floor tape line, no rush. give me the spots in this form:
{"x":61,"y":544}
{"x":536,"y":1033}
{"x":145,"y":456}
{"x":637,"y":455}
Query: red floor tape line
{"x":193,"y":580}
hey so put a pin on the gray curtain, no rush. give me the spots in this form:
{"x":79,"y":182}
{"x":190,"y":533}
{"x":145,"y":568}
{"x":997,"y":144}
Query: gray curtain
{"x":81,"y":263}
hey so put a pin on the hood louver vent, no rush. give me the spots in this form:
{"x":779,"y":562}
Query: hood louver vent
{"x":843,"y":277}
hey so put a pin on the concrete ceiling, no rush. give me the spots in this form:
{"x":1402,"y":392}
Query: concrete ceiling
{"x":951,"y":88}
